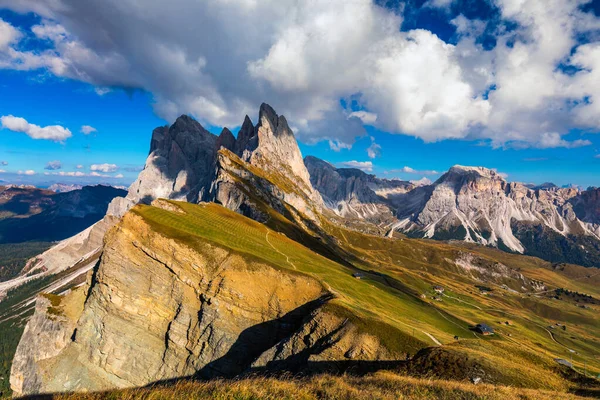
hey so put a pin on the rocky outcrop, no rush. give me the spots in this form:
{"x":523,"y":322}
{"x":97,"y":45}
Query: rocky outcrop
{"x":160,"y":307}
{"x":477,"y":205}
{"x":184,"y":164}
{"x":351,"y":193}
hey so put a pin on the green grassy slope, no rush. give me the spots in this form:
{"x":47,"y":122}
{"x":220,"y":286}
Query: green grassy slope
{"x":370,"y":299}
{"x":387,"y":301}
{"x":421,"y":264}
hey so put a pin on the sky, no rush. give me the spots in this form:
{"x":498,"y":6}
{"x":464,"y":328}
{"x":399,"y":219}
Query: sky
{"x":400,"y":89}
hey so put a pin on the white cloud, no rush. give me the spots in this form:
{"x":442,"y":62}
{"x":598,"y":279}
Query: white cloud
{"x":424,"y":181}
{"x":104,"y":167}
{"x":80,"y":174}
{"x":438,"y":3}
{"x":86,"y":129}
{"x":503,"y":175}
{"x":8,"y":35}
{"x":56,"y":133}
{"x":3,"y":162}
{"x":336,"y":145}
{"x":550,"y":140}
{"x":365,"y":116}
{"x":27,"y":172}
{"x":409,"y":170}
{"x":2,"y":171}
{"x":304,"y":56}
{"x":79,"y":166}
{"x":366,"y":166}
{"x":53,"y":165}
{"x":374,"y":150}
{"x":597,"y":156}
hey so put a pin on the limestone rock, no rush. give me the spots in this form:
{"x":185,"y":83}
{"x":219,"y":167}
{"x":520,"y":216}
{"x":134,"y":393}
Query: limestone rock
{"x":159,"y":309}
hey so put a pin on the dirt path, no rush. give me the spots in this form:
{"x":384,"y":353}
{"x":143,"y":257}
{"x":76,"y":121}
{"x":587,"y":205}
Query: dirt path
{"x":432,"y":338}
{"x":274,"y":248}
{"x":462,"y":301}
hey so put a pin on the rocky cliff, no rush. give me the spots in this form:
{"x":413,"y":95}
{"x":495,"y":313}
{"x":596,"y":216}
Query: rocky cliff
{"x":351,"y":193}
{"x":161,"y":306}
{"x":477,"y":205}
{"x":185,"y":164}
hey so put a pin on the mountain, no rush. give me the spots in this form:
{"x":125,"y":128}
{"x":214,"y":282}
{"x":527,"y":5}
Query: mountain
{"x":478,"y":205}
{"x":351,"y":193}
{"x":186,"y":162}
{"x":31,"y":214}
{"x":63,"y":187}
{"x":231,"y":256}
{"x":473,"y":204}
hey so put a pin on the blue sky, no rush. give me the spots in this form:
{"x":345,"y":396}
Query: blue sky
{"x":438,"y":91}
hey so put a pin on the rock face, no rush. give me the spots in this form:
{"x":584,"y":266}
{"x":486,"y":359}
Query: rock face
{"x":477,"y":205}
{"x":351,"y":193}
{"x":473,"y":204}
{"x":185,"y":163}
{"x":158,"y":309}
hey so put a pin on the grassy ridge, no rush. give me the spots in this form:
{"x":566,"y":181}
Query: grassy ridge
{"x":378,"y":386}
{"x":369,"y":299}
{"x":423,"y":263}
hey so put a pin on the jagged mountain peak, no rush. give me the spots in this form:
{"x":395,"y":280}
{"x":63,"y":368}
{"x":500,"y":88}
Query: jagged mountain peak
{"x":226,"y":140}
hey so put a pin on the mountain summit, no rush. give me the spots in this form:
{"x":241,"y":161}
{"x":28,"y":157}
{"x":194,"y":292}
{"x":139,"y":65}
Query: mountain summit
{"x":187,"y":162}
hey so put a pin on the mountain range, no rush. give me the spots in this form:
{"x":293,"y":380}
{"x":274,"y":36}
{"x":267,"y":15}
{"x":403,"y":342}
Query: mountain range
{"x":233,"y":255}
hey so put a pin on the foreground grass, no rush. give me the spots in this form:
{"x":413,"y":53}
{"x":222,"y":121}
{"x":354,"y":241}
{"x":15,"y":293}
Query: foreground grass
{"x":378,"y":386}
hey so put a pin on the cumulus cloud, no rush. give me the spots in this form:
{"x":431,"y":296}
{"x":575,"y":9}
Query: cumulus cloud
{"x":79,"y":166}
{"x":56,"y":133}
{"x":86,"y":129}
{"x":409,"y":170}
{"x":27,"y":172}
{"x":366,"y":166}
{"x":8,"y":35}
{"x":424,"y":181}
{"x":80,"y":174}
{"x":553,"y":140}
{"x":104,"y":167}
{"x":3,"y":162}
{"x":53,"y":165}
{"x":537,"y":84}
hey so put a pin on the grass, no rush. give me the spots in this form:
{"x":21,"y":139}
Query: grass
{"x":371,"y":300}
{"x":378,"y":386}
{"x":385,"y":302}
{"x":420,"y":264}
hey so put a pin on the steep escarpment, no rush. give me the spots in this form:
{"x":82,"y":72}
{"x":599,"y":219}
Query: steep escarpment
{"x":162,"y":306}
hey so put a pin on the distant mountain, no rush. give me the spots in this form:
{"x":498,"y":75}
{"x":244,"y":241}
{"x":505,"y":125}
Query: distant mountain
{"x":231,"y":256}
{"x":32,"y":214}
{"x":63,"y":187}
{"x":473,"y":204}
{"x":352,"y":193}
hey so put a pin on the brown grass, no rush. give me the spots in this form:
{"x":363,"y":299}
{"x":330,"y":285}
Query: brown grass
{"x":378,"y":386}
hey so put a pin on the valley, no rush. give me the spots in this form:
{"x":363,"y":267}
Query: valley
{"x":234,"y":258}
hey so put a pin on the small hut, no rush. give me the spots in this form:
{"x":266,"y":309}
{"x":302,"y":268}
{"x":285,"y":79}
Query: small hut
{"x":484,"y":329}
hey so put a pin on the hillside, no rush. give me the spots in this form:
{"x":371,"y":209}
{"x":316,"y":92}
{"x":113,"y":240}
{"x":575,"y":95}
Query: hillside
{"x":225,"y":260}
{"x":380,"y":386}
{"x":31,"y":214}
{"x":352,"y":324}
